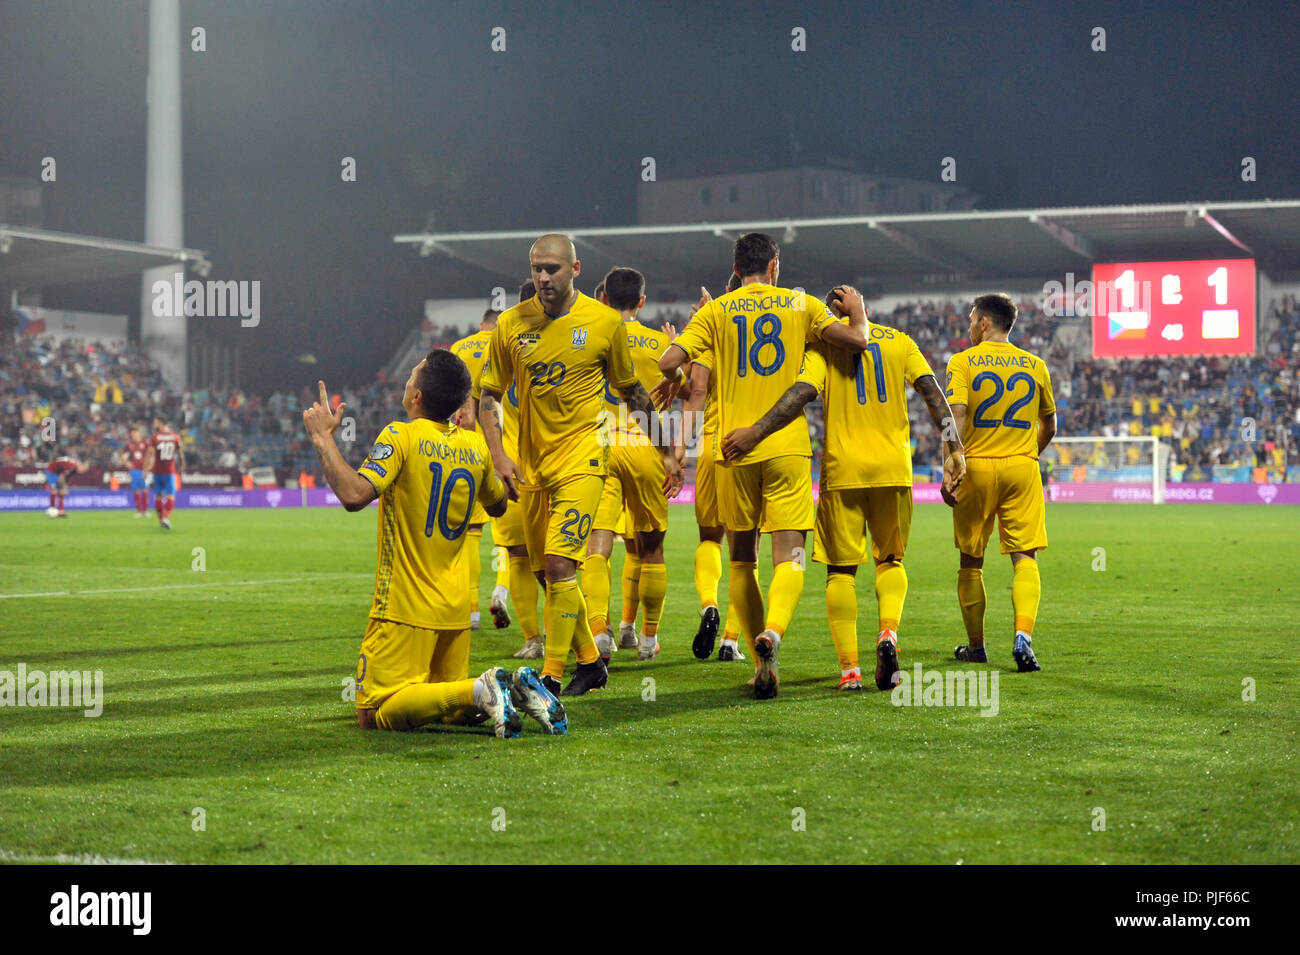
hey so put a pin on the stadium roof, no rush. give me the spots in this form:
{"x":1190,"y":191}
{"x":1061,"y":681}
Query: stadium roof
{"x":901,"y":252}
{"x":32,"y":258}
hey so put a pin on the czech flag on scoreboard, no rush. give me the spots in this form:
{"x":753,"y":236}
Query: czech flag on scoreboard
{"x":1128,"y":325}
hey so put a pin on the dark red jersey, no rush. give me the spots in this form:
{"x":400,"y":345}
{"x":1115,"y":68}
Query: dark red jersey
{"x":166,"y":448}
{"x":63,"y":464}
{"x":135,"y":451}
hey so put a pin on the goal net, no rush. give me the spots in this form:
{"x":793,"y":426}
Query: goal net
{"x":1098,"y":468}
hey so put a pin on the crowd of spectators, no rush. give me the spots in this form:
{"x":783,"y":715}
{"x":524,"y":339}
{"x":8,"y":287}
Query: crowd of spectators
{"x":1211,"y":411}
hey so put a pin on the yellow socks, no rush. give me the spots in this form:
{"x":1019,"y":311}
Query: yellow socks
{"x":422,"y":703}
{"x":970,"y":595}
{"x":708,"y":572}
{"x":891,"y":591}
{"x":473,"y":565}
{"x":631,"y":587}
{"x":584,"y":645}
{"x":595,"y":587}
{"x":563,"y":604}
{"x":746,"y":599}
{"x":523,"y":594}
{"x":654,"y":588}
{"x":842,"y":612}
{"x":1026,"y":589}
{"x":783,"y":595}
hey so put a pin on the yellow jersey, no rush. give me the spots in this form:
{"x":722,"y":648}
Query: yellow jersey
{"x":868,"y":439}
{"x":427,"y":474}
{"x":560,"y":368}
{"x":646,"y":345}
{"x":757,"y":335}
{"x":1005,"y":390}
{"x":473,"y":351}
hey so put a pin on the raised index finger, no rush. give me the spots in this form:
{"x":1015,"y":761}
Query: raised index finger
{"x":324,"y":395}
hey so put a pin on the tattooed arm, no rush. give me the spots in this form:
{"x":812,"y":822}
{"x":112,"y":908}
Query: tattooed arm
{"x":490,"y":420}
{"x":789,"y":406}
{"x":944,"y":418}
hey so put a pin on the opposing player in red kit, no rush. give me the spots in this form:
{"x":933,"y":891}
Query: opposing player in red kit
{"x":133,"y":456}
{"x":56,"y":481}
{"x":165,"y":459}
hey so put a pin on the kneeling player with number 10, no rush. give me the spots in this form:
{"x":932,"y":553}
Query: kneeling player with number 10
{"x":427,"y":473}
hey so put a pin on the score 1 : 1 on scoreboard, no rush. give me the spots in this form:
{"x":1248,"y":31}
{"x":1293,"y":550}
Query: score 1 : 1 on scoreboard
{"x":1148,"y":309}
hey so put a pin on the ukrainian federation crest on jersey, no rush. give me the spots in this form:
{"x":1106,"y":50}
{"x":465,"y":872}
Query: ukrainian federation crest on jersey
{"x":579,"y":338}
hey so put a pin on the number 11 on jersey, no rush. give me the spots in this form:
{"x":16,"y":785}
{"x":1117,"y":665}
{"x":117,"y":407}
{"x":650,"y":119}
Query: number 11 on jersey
{"x":878,"y":367}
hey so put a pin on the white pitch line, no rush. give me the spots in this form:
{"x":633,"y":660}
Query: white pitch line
{"x":79,"y":859}
{"x":132,"y":590}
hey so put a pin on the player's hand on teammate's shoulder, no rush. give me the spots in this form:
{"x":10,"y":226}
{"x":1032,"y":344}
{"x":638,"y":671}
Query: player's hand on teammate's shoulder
{"x":740,"y":442}
{"x":319,"y":421}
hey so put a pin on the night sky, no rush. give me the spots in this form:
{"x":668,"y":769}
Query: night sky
{"x":550,"y":133}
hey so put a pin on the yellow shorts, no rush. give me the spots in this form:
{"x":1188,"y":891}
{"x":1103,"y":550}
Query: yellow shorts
{"x":508,"y":529}
{"x":1009,"y":489}
{"x":396,"y":655}
{"x":776,"y":494}
{"x":635,"y":487}
{"x":558,"y":519}
{"x":846,"y":518}
{"x":706,"y":485}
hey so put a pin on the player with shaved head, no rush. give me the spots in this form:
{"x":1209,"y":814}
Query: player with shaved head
{"x":561,"y":350}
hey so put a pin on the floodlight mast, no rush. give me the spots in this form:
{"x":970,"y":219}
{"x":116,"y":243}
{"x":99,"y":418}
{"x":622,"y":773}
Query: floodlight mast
{"x":164,"y":337}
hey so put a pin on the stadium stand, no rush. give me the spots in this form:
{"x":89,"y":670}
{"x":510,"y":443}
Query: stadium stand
{"x":1201,"y":406}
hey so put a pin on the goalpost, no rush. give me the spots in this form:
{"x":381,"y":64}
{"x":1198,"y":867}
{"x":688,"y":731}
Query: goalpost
{"x":1123,"y":459}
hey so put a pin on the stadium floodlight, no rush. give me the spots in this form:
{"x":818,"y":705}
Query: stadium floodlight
{"x":6,"y":244}
{"x":789,"y":235}
{"x":427,"y":247}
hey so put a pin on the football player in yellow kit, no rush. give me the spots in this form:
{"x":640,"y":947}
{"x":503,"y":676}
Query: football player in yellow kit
{"x":866,"y":477}
{"x":561,"y":350}
{"x":634,"y":488}
{"x":699,"y":427}
{"x":1014,"y":419}
{"x":427,"y":474}
{"x":757,"y":335}
{"x":472,"y":350}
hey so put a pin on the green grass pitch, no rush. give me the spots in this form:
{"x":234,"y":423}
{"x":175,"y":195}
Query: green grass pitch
{"x":223,"y":690}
